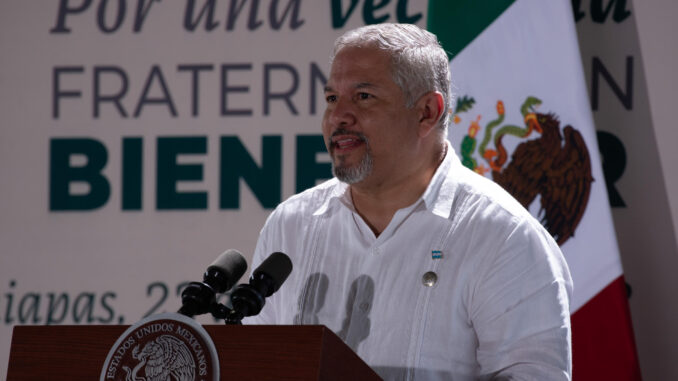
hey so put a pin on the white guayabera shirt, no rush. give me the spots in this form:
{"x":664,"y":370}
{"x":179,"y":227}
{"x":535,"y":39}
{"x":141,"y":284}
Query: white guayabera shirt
{"x":463,"y":284}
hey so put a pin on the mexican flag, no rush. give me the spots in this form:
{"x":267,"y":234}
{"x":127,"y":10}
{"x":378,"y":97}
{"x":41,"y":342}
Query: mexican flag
{"x":521,"y":116}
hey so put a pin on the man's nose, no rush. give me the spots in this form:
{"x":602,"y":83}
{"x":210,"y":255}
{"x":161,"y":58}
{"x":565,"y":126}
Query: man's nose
{"x":341,"y":113}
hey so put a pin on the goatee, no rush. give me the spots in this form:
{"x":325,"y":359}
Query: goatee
{"x":347,"y":173}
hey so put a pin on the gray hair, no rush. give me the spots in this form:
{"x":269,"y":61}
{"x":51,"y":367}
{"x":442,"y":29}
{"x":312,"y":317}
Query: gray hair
{"x":418,"y":62}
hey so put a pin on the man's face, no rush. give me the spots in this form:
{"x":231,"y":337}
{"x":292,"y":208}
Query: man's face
{"x":367,"y":128}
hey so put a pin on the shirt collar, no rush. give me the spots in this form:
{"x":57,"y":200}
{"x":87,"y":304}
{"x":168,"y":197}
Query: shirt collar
{"x":437,"y":197}
{"x":339,"y":193}
{"x":439,"y":194}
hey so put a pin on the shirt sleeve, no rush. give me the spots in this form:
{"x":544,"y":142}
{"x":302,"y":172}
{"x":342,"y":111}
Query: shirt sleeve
{"x":520,"y":309}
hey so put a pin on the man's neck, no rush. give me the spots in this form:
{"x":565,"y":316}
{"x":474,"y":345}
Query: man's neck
{"x":378,"y":203}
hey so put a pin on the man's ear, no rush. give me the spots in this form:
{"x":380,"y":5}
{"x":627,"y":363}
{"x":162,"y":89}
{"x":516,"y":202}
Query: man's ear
{"x":431,"y":108}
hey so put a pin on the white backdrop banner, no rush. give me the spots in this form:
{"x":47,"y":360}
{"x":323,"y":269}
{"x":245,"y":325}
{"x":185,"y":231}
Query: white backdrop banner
{"x":141,"y":138}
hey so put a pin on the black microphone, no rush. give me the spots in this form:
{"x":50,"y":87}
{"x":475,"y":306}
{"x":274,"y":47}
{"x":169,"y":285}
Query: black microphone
{"x":199,"y":297}
{"x":249,"y":299}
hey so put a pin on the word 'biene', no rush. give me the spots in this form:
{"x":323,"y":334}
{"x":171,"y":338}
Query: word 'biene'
{"x":81,"y":161}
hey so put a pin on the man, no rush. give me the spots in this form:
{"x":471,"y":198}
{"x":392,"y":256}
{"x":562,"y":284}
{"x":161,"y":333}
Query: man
{"x":426,"y":269}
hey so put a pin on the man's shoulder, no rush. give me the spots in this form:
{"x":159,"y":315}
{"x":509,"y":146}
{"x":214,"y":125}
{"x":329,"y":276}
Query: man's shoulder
{"x":483,"y":205}
{"x":478,"y":192}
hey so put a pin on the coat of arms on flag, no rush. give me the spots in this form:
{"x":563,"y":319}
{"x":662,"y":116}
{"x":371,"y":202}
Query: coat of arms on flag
{"x":548,"y":163}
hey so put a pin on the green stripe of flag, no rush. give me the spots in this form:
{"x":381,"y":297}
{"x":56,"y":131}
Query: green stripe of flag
{"x":458,"y":22}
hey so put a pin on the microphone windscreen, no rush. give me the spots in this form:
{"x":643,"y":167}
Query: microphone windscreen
{"x":232,"y":263}
{"x":278,"y":266}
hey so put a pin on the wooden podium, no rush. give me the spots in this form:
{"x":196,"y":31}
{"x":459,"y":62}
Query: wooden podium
{"x":245,"y":353}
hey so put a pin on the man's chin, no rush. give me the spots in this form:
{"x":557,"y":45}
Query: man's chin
{"x":347,"y":177}
{"x":353,"y":174}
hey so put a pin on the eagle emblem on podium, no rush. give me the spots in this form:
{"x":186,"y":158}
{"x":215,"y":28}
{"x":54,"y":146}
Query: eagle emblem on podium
{"x":165,"y":358}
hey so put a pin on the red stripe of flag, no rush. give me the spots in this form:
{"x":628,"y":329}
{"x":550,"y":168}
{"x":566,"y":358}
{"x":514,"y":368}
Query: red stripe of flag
{"x":603,"y":347}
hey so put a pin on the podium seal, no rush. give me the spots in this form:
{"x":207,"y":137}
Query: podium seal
{"x":167,"y":346}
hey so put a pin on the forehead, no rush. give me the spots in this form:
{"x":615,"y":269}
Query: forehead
{"x":367,"y":65}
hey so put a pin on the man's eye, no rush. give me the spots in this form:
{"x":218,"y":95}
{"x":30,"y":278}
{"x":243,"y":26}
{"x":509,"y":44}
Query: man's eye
{"x":331,"y":98}
{"x":364,"y":96}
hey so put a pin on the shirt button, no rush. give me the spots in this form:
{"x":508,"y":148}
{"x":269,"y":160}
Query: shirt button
{"x":429,"y":279}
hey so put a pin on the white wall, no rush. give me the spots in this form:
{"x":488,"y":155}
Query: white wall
{"x":655,"y":314}
{"x":659,"y":46}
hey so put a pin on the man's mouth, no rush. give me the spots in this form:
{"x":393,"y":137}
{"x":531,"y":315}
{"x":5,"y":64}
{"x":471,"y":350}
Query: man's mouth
{"x":346,"y":143}
{"x":343,"y":141}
